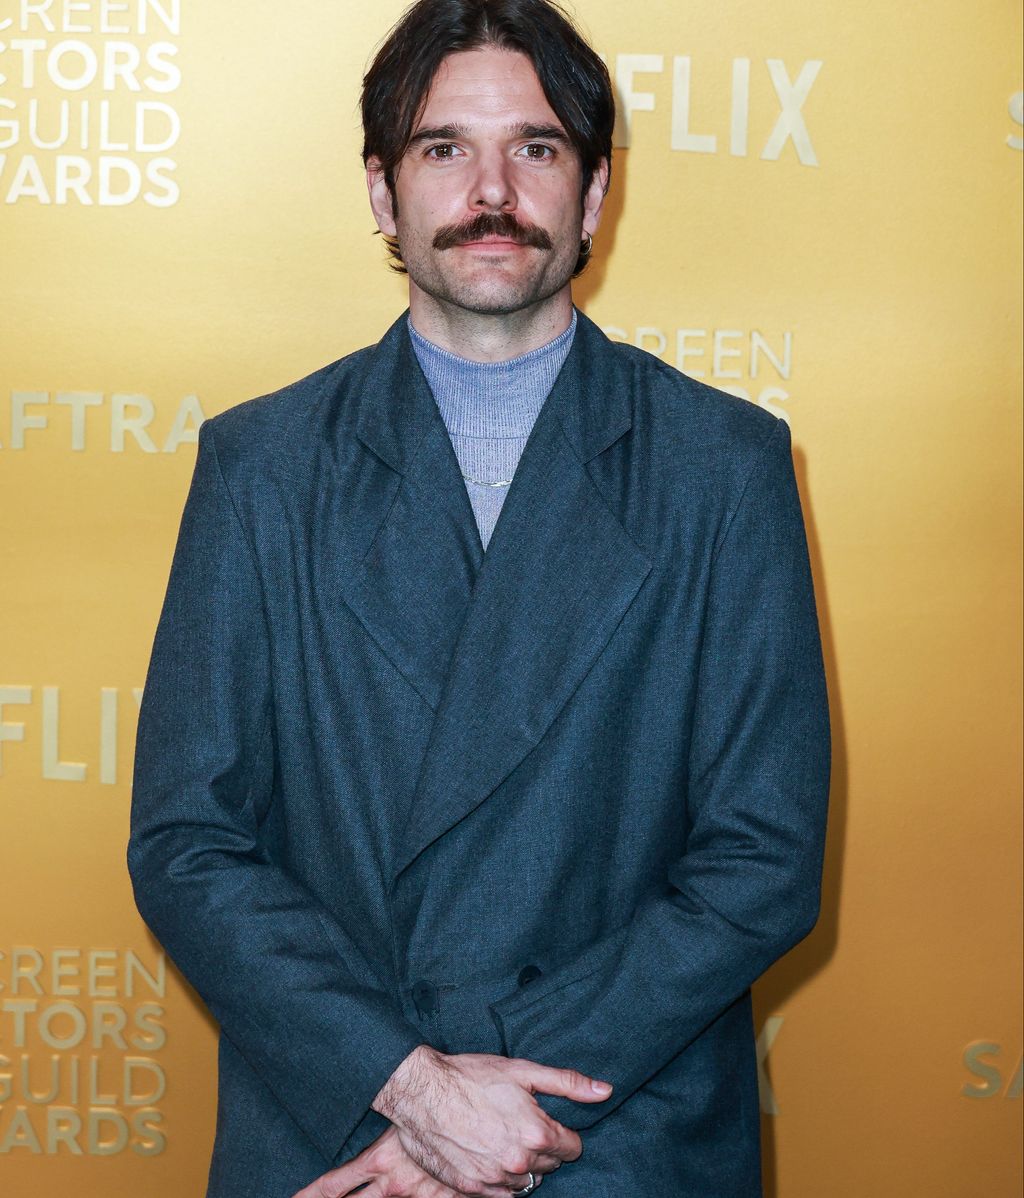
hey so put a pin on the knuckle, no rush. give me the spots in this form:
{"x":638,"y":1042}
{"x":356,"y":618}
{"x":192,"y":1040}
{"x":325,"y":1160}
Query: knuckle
{"x":539,"y":1138}
{"x":375,"y":1156}
{"x":516,"y":1162}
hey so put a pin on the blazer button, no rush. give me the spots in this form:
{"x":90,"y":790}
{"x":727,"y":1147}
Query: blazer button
{"x":528,"y":973}
{"x":425,"y":997}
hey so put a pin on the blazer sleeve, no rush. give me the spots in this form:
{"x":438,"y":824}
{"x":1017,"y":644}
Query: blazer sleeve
{"x":747,"y":887}
{"x":289,"y":987}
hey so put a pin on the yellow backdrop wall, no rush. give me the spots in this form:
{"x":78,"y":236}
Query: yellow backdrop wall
{"x":815,"y":204}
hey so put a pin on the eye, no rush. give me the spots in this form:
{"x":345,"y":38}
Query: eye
{"x":538,"y":151}
{"x":445,"y":151}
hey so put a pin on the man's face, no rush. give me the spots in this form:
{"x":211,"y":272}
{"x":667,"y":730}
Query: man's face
{"x":489,"y":216}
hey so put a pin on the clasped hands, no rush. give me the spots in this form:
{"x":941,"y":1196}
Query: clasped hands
{"x":463,"y":1126}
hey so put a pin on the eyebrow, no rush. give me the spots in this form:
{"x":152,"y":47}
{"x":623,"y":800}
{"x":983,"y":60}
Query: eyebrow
{"x":455,"y":132}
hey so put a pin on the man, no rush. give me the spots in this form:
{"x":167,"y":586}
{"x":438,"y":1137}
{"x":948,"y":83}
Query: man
{"x":484,"y":750}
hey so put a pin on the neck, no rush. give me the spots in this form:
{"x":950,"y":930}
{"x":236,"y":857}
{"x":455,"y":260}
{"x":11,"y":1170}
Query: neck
{"x":489,"y":338}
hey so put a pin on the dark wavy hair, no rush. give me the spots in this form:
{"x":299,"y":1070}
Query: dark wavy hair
{"x":573,"y":78}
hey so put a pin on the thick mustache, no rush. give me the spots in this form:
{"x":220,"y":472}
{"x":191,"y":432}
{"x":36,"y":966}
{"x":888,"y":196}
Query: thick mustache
{"x":491,"y":224}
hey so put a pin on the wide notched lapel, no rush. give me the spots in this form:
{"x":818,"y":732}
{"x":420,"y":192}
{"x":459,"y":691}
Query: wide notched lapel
{"x":411,"y":561}
{"x":559,"y":573}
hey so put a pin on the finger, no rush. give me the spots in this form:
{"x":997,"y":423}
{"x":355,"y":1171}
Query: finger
{"x":339,"y":1182}
{"x":562,"y":1145}
{"x":521,"y":1182}
{"x":547,"y":1162}
{"x":568,"y":1146}
{"x":569,"y":1083}
{"x":439,"y":1190}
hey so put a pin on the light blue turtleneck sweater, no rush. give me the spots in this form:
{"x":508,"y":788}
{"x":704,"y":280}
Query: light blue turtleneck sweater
{"x":489,"y":409}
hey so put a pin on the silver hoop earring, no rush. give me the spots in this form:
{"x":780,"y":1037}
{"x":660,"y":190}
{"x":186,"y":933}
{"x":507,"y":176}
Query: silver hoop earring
{"x":586,"y":246}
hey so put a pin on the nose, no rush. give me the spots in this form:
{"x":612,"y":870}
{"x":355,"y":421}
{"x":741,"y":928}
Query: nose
{"x":493,"y":188}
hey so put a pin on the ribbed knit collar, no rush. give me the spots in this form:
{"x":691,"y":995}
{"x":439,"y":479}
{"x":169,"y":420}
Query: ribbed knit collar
{"x":491,"y":399}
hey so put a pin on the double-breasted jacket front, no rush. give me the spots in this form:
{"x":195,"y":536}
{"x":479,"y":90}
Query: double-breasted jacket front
{"x":563,"y":800}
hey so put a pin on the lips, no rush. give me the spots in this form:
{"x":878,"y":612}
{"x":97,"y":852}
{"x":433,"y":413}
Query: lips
{"x":491,"y":241}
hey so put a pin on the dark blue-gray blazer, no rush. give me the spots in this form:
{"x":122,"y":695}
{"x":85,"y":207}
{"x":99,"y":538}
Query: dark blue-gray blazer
{"x":563,"y":801}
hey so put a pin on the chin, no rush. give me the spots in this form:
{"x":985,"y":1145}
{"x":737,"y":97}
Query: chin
{"x":494,"y":296}
{"x":494,"y":303}
{"x":491,"y":288}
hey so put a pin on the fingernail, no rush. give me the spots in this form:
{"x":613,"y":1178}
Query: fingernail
{"x":600,"y":1087}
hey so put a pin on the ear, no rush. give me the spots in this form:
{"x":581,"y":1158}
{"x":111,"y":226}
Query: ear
{"x":381,"y":200}
{"x":593,"y":201}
